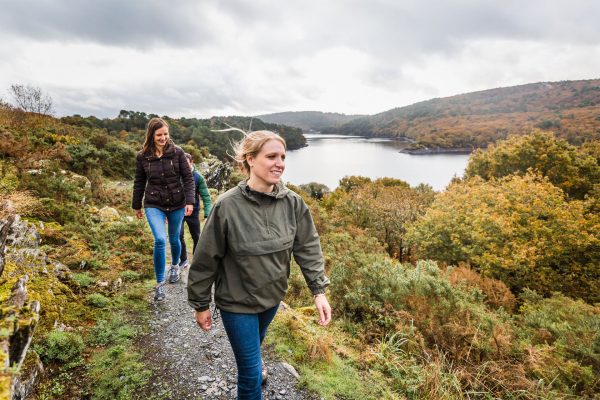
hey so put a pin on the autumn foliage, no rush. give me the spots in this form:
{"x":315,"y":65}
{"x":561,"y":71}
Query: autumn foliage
{"x":475,"y":120}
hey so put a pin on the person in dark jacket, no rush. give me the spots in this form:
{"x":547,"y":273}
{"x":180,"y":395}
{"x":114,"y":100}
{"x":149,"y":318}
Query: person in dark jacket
{"x":163,"y":179}
{"x":193,"y":220}
{"x":245,"y":250}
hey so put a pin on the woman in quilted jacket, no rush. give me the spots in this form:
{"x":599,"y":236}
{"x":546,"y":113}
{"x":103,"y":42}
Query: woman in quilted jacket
{"x":163,"y":179}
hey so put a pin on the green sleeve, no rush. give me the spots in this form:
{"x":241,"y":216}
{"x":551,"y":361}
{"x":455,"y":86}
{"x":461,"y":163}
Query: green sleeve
{"x":307,"y":250}
{"x":205,"y":195}
{"x":206,"y":261}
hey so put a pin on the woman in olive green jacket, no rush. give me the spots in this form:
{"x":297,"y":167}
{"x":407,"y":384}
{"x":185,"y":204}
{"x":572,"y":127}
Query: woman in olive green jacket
{"x":246,"y":247}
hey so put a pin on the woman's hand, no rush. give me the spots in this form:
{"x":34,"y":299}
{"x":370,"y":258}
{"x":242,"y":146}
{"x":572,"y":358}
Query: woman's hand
{"x":189,"y":208}
{"x":204,"y":319}
{"x":323,"y":308}
{"x":139,"y":213}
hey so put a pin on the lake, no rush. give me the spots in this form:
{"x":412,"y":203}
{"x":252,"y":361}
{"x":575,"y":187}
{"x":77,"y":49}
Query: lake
{"x":328,"y":158}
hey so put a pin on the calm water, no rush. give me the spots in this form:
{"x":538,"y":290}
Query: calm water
{"x":328,"y":158}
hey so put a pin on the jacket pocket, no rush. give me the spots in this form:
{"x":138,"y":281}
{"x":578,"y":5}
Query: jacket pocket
{"x":178,"y":196}
{"x":257,"y":248}
{"x":264,"y":265}
{"x":153,"y":196}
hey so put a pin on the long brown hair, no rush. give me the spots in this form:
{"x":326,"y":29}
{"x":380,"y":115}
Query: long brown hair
{"x":153,"y":125}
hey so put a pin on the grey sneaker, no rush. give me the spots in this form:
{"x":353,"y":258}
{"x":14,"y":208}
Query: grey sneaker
{"x":174,"y":274}
{"x":265,"y":375}
{"x":184,"y":264}
{"x":159,"y":292}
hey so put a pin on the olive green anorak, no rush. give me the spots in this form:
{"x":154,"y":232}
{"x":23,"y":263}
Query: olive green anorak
{"x":245,"y":250}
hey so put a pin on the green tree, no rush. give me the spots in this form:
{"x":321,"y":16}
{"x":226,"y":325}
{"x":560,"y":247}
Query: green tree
{"x":567,"y":167}
{"x":519,"y":229}
{"x":385,"y":208}
{"x":315,"y":190}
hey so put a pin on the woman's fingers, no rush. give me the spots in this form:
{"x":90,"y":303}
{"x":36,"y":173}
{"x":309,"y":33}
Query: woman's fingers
{"x":324,"y":310}
{"x":204,"y":319}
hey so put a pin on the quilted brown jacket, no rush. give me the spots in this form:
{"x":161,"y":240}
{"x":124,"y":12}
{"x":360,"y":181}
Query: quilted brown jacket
{"x":163,"y":182}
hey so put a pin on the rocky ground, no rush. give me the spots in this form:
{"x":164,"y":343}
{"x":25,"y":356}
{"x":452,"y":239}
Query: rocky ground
{"x":189,"y":363}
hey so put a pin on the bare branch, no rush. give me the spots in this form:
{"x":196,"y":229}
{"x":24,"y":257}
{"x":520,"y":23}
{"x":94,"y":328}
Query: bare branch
{"x":31,"y":99}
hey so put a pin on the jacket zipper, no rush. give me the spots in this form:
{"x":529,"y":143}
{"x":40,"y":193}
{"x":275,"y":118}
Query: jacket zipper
{"x":267,"y":218}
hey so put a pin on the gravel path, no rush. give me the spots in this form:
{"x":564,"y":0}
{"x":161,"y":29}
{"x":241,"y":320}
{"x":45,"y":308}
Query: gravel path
{"x":189,"y":363}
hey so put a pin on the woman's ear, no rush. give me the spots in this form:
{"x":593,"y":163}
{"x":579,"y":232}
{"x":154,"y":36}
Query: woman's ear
{"x":250,"y":160}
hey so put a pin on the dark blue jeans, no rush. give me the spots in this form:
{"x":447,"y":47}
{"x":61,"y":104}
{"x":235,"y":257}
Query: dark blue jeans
{"x":246,"y":333}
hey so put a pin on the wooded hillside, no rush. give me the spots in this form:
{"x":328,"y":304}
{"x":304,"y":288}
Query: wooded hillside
{"x":307,"y":120}
{"x":571,"y":109}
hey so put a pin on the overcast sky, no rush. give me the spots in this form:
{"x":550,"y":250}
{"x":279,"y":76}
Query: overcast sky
{"x":199,"y":58}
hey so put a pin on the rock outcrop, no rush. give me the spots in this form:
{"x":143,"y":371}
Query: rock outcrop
{"x":216,"y":173}
{"x":18,"y":316}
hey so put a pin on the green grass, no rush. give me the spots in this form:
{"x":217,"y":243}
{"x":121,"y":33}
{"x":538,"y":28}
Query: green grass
{"x":61,"y":346}
{"x":83,"y":280}
{"x":97,"y":300}
{"x":117,"y":373}
{"x":325,"y":373}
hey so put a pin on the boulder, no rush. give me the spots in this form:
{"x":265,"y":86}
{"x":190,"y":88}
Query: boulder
{"x":108,"y":214}
{"x":216,"y":173}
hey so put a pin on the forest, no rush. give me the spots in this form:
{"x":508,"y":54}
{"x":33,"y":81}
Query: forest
{"x":570,"y":109}
{"x":485,"y":290}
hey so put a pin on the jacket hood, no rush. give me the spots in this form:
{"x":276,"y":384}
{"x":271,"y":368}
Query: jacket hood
{"x":279,"y":192}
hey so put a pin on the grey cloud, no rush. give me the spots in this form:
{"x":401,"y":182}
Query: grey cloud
{"x":134,"y":23}
{"x":397,"y":29}
{"x":384,"y":27}
{"x":200,"y":101}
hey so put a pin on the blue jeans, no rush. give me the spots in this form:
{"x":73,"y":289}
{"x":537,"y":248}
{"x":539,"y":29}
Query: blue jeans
{"x":246,"y":333}
{"x":156,"y":219}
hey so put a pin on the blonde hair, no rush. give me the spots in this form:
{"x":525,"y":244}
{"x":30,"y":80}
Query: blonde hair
{"x":250,"y":145}
{"x":153,"y":125}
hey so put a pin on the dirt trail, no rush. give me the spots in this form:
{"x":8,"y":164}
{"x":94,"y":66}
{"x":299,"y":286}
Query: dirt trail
{"x":189,"y":363}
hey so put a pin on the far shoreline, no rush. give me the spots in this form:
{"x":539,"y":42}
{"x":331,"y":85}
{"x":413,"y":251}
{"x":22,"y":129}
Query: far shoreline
{"x":422,"y":152}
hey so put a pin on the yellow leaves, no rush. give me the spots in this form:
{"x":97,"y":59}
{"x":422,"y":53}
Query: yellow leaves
{"x":517,"y":228}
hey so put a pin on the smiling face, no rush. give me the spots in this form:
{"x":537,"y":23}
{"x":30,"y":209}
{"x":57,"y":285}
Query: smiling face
{"x":161,"y":137}
{"x":267,"y":166}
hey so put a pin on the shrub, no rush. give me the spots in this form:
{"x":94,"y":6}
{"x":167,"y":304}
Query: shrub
{"x":61,"y":346}
{"x":97,"y":300}
{"x":315,"y":190}
{"x":519,"y":229}
{"x":83,"y":280}
{"x":110,"y":332}
{"x":9,"y":179}
{"x":562,"y":336}
{"x":574,"y":171}
{"x":386,"y":208}
{"x":130,"y":276}
{"x":117,"y":373}
{"x":496,"y":293}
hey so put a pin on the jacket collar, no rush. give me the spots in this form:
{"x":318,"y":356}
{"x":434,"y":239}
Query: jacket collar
{"x":168,"y":151}
{"x":279,"y":192}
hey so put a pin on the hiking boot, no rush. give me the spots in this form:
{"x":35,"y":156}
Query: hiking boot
{"x":160,"y":292}
{"x":184,"y":264}
{"x":174,"y":274}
